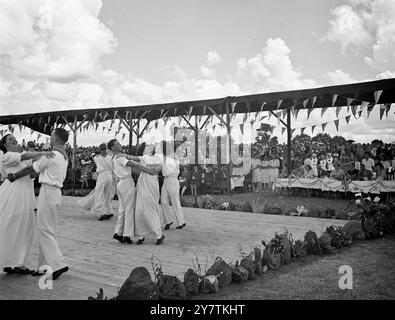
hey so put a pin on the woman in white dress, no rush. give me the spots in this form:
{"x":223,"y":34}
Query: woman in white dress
{"x":265,"y":171}
{"x":99,"y":199}
{"x":16,"y":207}
{"x":147,"y":209}
{"x":256,"y":173}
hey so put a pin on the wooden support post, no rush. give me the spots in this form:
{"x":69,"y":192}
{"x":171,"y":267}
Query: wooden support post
{"x":130,"y":132}
{"x":196,"y":140}
{"x":138,"y":134}
{"x":289,"y":139}
{"x":75,"y":129}
{"x":229,"y":147}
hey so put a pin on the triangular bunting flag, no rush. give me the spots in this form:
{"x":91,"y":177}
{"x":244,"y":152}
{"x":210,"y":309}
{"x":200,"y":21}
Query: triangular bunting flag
{"x":38,"y":136}
{"x":382,"y":110}
{"x":323,"y":110}
{"x":262,"y":105}
{"x":214,"y":125}
{"x":284,"y":113}
{"x":334,"y":98}
{"x":241,"y":128}
{"x":279,"y":102}
{"x":283,"y":130}
{"x":179,"y":120}
{"x":308,"y":112}
{"x":305,"y":101}
{"x":348,"y":119}
{"x":364,"y":104}
{"x":245,"y":118}
{"x":387,"y":108}
{"x":204,"y":109}
{"x":302,"y":130}
{"x":292,"y":132}
{"x":370,"y":108}
{"x":296,"y":113}
{"x":232,"y":106}
{"x":349,"y":101}
{"x":156,"y":124}
{"x":354,"y":110}
{"x":190,"y":112}
{"x":248,"y":107}
{"x":336,"y":122}
{"x":123,"y":136}
{"x":324,"y":126}
{"x":313,"y":101}
{"x":377,"y":95}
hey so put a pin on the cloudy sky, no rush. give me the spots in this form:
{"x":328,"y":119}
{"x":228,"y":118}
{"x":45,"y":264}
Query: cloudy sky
{"x":89,"y":53}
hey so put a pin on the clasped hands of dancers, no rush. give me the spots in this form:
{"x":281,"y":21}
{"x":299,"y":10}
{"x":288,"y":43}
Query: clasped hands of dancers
{"x":17,"y":204}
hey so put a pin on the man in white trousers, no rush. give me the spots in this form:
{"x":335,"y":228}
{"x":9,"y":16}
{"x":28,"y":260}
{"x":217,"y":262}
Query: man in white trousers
{"x":171,"y":187}
{"x":52,"y":172}
{"x":124,"y":229}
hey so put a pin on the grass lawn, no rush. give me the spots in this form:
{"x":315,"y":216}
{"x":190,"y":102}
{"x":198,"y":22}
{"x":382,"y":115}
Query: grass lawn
{"x":316,"y":277}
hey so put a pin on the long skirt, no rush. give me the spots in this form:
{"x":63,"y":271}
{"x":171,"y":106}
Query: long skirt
{"x":148,"y":209}
{"x":88,"y":201}
{"x":16,"y":221}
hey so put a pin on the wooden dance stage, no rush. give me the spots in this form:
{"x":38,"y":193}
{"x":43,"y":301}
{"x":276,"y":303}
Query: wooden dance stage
{"x":98,"y":261}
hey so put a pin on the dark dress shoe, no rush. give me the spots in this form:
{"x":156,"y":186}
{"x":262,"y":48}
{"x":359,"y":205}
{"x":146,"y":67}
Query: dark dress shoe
{"x":181,"y":226}
{"x":103,"y":217}
{"x":57,"y":273}
{"x":160,"y":240}
{"x":127,"y":240}
{"x":8,"y":270}
{"x":140,"y":241}
{"x":37,"y":273}
{"x":118,"y":237}
{"x":167,"y":227}
{"x":109,"y":216}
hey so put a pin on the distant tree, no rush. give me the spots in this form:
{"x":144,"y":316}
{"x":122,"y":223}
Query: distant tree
{"x":338,"y":141}
{"x":323,"y":138}
{"x":262,"y":140}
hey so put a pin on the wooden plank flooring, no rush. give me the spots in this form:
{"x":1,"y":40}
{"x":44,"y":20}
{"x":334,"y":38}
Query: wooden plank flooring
{"x":97,"y":261}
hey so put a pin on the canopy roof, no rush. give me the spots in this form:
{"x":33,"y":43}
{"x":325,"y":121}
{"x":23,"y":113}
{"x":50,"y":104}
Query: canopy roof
{"x":299,"y":99}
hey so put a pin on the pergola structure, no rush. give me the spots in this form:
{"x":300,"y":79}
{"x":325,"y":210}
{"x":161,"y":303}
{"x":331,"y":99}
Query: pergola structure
{"x":280,"y":104}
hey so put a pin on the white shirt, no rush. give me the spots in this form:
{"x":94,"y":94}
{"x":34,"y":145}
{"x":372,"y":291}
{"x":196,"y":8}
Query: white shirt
{"x":369,"y":164}
{"x":52,"y":170}
{"x":121,"y":169}
{"x":170,"y":167}
{"x":103,"y":163}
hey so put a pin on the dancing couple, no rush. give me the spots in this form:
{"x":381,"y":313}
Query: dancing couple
{"x":18,"y":203}
{"x":139,"y":210}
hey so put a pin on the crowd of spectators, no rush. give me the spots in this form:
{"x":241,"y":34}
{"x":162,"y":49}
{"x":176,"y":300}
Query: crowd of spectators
{"x":350,"y":160}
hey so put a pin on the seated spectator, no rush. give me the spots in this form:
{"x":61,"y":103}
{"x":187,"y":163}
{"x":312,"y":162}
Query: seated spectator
{"x":365,"y":174}
{"x":352,"y":173}
{"x":379,"y":172}
{"x":337,"y":173}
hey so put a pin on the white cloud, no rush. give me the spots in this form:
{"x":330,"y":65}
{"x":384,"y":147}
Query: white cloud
{"x":207,"y":72}
{"x":270,"y":70}
{"x":213,"y":58}
{"x":366,"y":24}
{"x":39,"y":40}
{"x":340,"y":77}
{"x":348,"y":28}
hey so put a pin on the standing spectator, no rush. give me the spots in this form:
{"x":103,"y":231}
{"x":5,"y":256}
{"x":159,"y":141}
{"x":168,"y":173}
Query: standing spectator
{"x":196,"y":178}
{"x":368,"y":162}
{"x":265,"y":173}
{"x":256,"y":172}
{"x":273,"y":172}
